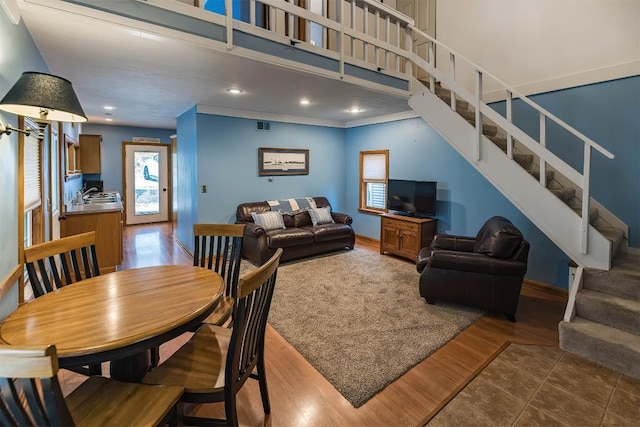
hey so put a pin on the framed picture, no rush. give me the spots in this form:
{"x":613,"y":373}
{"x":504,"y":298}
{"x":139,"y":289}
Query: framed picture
{"x":283,"y":161}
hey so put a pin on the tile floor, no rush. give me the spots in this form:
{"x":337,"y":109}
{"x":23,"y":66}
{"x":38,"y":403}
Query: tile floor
{"x":543,"y":386}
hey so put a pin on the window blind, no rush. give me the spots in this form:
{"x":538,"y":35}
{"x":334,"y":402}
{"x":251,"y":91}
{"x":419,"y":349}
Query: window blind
{"x":32,"y":197}
{"x":374,"y":167}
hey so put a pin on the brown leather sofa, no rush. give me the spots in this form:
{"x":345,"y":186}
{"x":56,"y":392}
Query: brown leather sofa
{"x":299,"y":239}
{"x":486,"y":271}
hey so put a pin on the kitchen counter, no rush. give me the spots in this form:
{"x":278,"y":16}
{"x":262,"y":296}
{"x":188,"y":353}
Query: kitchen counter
{"x":103,"y":216}
{"x":85,"y":208}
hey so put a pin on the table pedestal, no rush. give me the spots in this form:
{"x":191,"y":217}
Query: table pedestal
{"x":131,"y":369}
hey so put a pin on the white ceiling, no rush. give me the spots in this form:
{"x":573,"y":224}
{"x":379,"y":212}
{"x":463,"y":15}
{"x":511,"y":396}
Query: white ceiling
{"x":152,"y":78}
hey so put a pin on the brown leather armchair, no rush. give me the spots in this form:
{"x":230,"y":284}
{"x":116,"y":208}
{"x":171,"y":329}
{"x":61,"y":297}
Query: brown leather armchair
{"x":486,"y":271}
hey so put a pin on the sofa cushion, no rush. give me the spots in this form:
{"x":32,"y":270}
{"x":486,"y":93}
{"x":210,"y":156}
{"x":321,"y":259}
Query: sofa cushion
{"x":498,"y":238}
{"x":326,"y":232}
{"x":289,"y":237}
{"x":321,"y":216}
{"x":268,"y":220}
{"x":301,"y":219}
{"x":244,"y":210}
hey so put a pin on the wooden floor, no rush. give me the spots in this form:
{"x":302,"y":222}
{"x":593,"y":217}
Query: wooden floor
{"x":300,"y":396}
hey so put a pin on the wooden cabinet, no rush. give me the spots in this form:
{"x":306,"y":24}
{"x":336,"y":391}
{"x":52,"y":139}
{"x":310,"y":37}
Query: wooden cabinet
{"x":90,"y":153}
{"x":108,"y":228}
{"x":72,"y":158}
{"x":405,"y":236}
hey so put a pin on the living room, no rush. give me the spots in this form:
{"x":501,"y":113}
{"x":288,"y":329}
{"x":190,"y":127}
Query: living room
{"x":224,"y":150}
{"x":465,"y":198}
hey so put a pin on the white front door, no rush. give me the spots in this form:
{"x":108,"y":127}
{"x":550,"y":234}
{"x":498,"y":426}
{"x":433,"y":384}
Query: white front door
{"x":146,"y":183}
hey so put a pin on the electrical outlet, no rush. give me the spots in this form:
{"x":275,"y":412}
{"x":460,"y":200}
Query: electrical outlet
{"x":204,"y":188}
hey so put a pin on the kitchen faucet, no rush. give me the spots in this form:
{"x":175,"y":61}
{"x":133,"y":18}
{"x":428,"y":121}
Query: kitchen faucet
{"x":89,"y":191}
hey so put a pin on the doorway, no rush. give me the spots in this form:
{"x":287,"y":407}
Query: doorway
{"x":146,"y":182}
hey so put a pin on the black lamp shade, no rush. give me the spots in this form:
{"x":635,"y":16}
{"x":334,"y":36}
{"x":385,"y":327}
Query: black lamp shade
{"x":43,"y":96}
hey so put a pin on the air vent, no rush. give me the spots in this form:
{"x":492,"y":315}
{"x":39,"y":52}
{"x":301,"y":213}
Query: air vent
{"x":263,"y":126}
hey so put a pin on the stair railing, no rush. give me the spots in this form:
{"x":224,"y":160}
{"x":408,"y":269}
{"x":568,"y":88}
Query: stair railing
{"x":574,"y":287}
{"x":581,"y":180}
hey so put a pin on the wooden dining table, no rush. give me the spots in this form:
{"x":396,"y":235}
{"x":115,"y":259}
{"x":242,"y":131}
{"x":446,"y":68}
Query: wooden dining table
{"x":116,"y":317}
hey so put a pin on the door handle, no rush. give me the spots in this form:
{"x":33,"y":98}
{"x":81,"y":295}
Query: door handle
{"x":62,"y":218}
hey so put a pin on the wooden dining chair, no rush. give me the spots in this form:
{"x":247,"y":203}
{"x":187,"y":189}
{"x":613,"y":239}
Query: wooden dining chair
{"x":61,"y":262}
{"x":57,"y":263}
{"x":14,"y":277}
{"x":218,"y":247}
{"x":30,"y":395}
{"x":216,"y":362}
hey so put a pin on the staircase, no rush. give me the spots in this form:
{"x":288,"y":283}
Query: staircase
{"x":606,"y":326}
{"x":553,"y":203}
{"x":604,"y":323}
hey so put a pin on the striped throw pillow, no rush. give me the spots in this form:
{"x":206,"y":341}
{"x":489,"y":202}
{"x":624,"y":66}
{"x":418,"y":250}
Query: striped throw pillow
{"x":321,"y":216}
{"x":268,"y":220}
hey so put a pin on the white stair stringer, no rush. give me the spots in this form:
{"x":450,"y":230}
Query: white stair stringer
{"x":550,"y":214}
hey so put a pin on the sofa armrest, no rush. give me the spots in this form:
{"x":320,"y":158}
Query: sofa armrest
{"x":453,"y":243}
{"x":475,"y":263}
{"x":341,"y":218}
{"x":252,"y":229}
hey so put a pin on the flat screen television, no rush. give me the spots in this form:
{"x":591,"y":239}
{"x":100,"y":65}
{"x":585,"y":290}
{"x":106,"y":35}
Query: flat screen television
{"x":414,"y":198}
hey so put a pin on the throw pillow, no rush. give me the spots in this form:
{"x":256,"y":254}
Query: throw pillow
{"x":321,"y":216}
{"x":268,"y":220}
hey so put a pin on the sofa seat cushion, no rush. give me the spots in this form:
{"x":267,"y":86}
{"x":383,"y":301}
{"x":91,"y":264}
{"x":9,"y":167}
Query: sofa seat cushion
{"x":326,"y":232}
{"x":289,"y":237}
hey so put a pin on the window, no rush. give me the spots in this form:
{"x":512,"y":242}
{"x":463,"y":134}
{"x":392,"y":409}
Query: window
{"x":374,"y":172}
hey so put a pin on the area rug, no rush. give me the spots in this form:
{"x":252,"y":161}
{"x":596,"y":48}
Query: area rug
{"x":358,"y":318}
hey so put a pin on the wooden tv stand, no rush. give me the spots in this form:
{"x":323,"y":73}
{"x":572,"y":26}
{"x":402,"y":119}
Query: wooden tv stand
{"x":405,"y":236}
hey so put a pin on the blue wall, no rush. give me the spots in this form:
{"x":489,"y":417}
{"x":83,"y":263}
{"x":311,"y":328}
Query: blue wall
{"x":227,"y":163}
{"x":465,"y":198}
{"x":187,"y":185}
{"x":609,"y":114}
{"x":18,"y":53}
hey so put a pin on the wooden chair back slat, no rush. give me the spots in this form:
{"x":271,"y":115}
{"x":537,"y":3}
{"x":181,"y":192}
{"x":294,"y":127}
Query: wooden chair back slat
{"x":255,"y":291}
{"x":52,"y":265}
{"x":218,"y":247}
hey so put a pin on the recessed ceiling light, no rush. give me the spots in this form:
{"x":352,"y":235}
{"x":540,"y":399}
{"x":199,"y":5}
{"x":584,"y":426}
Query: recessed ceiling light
{"x":109,"y":107}
{"x":355,"y":110}
{"x":305,"y":102}
{"x":235,"y":90}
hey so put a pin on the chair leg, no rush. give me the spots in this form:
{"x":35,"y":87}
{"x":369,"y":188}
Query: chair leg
{"x":262,"y":380}
{"x":230,"y":410}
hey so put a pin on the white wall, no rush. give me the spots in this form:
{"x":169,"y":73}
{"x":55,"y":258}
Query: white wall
{"x":541,"y":45}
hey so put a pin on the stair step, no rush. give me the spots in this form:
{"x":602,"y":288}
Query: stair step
{"x":536,"y":174}
{"x":487,"y":130}
{"x":593,"y":213}
{"x":500,"y":141}
{"x":604,"y":345}
{"x":617,"y":312}
{"x":563,"y":193}
{"x":524,"y":160}
{"x":615,"y":236}
{"x":461,"y":104}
